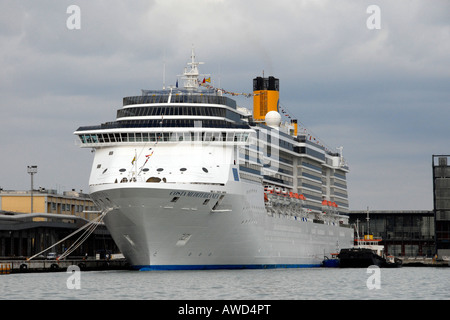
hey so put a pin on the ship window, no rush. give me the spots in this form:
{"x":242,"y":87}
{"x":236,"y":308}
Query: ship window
{"x":174,"y":199}
{"x":122,"y":170}
{"x":111,"y":153}
{"x":105,"y":170}
{"x":138,"y":137}
{"x":145,"y":169}
{"x":205,"y":170}
{"x":206,"y":202}
{"x":99,"y":166}
{"x":159,"y":169}
{"x":183,"y":169}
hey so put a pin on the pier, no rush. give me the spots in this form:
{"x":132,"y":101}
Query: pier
{"x":424,"y":262}
{"x":24,"y":266}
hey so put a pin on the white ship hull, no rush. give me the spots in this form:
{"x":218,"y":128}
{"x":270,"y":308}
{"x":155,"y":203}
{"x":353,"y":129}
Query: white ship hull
{"x":155,"y":234}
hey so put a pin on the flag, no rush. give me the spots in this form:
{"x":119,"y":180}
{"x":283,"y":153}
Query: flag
{"x":208,"y":80}
{"x":134,"y":159}
{"x":177,"y":83}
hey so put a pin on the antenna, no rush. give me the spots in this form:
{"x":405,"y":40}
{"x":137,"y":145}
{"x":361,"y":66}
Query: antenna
{"x":190,"y":75}
{"x":368,"y":223}
{"x":341,"y":156}
{"x":164,"y":70}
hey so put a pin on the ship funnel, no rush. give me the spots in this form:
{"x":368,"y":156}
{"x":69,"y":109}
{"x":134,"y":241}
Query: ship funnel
{"x":265,"y":97}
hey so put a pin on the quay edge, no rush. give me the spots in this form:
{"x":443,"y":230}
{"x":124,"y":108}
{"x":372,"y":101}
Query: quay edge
{"x":24,"y":266}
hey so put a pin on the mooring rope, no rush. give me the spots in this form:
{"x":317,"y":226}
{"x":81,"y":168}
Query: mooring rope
{"x":90,"y":226}
{"x":81,"y":239}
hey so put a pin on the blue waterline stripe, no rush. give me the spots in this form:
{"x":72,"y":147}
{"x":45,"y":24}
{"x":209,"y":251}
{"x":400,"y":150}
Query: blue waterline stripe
{"x":223,"y":266}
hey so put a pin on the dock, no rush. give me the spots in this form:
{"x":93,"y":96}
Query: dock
{"x":24,"y":266}
{"x":424,"y":262}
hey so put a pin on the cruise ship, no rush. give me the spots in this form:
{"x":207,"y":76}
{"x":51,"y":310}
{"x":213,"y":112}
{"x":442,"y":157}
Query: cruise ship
{"x":187,"y":179}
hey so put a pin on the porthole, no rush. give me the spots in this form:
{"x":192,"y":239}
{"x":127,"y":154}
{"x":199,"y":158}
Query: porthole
{"x":122,"y":170}
{"x":205,"y":170}
{"x":160,"y":169}
{"x":145,"y":169}
{"x":183,"y":169}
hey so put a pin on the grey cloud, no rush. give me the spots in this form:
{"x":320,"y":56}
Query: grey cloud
{"x":382,"y":94}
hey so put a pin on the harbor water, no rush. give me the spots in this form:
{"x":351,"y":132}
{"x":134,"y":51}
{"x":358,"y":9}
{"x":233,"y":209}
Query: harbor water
{"x":407,"y":283}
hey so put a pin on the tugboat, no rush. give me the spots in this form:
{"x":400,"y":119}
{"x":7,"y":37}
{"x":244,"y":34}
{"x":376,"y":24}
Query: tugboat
{"x":367,"y":252}
{"x":332,"y":262}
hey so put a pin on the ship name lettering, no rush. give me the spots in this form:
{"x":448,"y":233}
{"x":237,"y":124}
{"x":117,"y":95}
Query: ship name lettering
{"x":195,"y":194}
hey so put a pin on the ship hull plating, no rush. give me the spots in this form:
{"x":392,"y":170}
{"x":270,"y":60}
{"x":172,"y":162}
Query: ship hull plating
{"x":165,"y":227}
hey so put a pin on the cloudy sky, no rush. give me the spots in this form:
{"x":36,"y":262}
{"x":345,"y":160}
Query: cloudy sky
{"x":383,"y":94}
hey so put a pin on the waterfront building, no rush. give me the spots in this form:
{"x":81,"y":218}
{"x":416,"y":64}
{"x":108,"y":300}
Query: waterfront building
{"x":48,"y":201}
{"x":441,"y":203}
{"x":404,"y":233}
{"x":54,"y":217}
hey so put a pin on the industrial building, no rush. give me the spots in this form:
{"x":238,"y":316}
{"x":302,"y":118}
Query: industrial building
{"x":441,"y":201}
{"x":403,"y":233}
{"x":32,"y":221}
{"x":414,"y":233}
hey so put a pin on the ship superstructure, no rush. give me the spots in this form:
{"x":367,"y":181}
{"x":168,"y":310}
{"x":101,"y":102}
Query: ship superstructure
{"x":190,"y":180}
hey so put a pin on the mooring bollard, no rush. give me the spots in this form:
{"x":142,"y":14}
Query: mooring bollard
{"x":5,"y":268}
